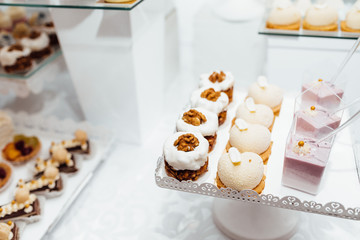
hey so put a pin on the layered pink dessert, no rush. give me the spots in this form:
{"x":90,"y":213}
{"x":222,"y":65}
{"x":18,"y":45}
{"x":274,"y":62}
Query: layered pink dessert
{"x":304,"y":164}
{"x":322,"y":93}
{"x":315,"y":122}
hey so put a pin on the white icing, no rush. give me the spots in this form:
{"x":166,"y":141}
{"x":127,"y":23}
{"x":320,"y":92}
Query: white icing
{"x":180,"y":160}
{"x":208,"y":128}
{"x":221,"y":86}
{"x":215,"y":107}
{"x":271,"y":95}
{"x":69,"y":144}
{"x":250,"y":105}
{"x":302,"y":151}
{"x":42,"y":164}
{"x":41,"y":182}
{"x":321,"y":15}
{"x":28,"y":209}
{"x":36,"y":44}
{"x":246,"y":175}
{"x":11,"y":235}
{"x":241,"y":124}
{"x":9,"y":58}
{"x":262,"y":115}
{"x":234,"y":155}
{"x":11,"y":208}
{"x":353,"y":18}
{"x":256,"y":139}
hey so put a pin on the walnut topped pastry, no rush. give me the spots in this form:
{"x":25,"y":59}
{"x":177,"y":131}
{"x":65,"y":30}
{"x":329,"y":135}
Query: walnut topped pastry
{"x":15,"y":58}
{"x":185,"y":155}
{"x":39,"y":43}
{"x":9,"y":231}
{"x":61,"y":159}
{"x":80,"y":144}
{"x":21,"y":149}
{"x":24,"y":206}
{"x":223,"y":81}
{"x":212,"y":100}
{"x":199,"y":120}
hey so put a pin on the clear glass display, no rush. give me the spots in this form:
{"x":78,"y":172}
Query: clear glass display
{"x":85,"y":4}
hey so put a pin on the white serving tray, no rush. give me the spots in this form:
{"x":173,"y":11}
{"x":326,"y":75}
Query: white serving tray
{"x":52,"y":129}
{"x":340,"y":191}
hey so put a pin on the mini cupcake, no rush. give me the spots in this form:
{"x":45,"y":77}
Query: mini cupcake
{"x":5,"y":22}
{"x":321,"y":17}
{"x":241,"y":171}
{"x":284,"y":16}
{"x":255,"y":113}
{"x":264,"y":93}
{"x":186,"y":155}
{"x":214,"y":101}
{"x":224,"y":82}
{"x":15,"y":59}
{"x":17,"y":14}
{"x":352,"y":21}
{"x":248,"y":137}
{"x":39,"y":43}
{"x":200,"y":120}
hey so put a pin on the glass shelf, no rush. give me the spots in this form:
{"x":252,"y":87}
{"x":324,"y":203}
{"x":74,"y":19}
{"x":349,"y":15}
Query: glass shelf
{"x":81,"y":4}
{"x":37,"y":66}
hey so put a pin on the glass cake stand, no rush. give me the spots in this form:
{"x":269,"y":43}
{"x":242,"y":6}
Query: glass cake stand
{"x":48,"y":130}
{"x":339,"y":195}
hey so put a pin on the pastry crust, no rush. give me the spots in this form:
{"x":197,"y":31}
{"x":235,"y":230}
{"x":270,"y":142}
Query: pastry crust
{"x":345,"y":28}
{"x":229,"y":93}
{"x":8,"y":172}
{"x":22,"y":159}
{"x":265,"y":155}
{"x":276,"y":110}
{"x":270,"y":128}
{"x":182,"y":175}
{"x":294,"y":26}
{"x":212,"y":141}
{"x":331,"y":27}
{"x":259,"y":188}
{"x":222,"y":117}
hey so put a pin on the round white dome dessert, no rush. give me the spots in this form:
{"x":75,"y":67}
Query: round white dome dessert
{"x":210,"y":99}
{"x":353,"y":17}
{"x":321,"y":15}
{"x":219,"y":80}
{"x":248,"y":137}
{"x":193,"y":157}
{"x":284,"y":13}
{"x":264,"y":93}
{"x":240,"y":171}
{"x":255,"y":113}
{"x":198,"y":120}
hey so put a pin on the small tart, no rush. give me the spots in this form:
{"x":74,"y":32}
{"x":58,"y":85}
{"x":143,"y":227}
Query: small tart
{"x":352,"y":21}
{"x":5,"y":174}
{"x":21,"y":149}
{"x":346,"y":28}
{"x":321,"y":17}
{"x":284,"y":16}
{"x":294,"y":26}
{"x":330,"y":28}
{"x":241,"y":171}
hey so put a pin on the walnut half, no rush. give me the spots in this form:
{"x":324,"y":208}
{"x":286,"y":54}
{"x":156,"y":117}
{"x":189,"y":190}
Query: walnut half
{"x":187,"y":142}
{"x":210,"y":94}
{"x":194,"y":117}
{"x":217,"y":77}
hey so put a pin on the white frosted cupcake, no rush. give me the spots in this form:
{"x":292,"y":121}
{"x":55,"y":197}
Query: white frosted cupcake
{"x":255,"y":113}
{"x":15,"y":58}
{"x":248,"y":137}
{"x":352,"y":21}
{"x":264,"y":93}
{"x":241,"y":171}
{"x":284,"y":16}
{"x":6,"y":128}
{"x":212,"y":100}
{"x":199,"y":120}
{"x":186,"y":155}
{"x":39,"y":43}
{"x":223,"y":81}
{"x":321,"y":17}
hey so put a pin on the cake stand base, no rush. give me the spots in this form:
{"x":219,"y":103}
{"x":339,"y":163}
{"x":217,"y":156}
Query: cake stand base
{"x":249,"y":221}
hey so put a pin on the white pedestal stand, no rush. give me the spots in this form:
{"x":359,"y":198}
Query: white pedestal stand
{"x":116,"y":61}
{"x":249,"y":221}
